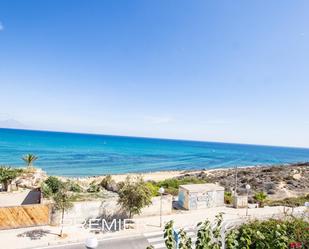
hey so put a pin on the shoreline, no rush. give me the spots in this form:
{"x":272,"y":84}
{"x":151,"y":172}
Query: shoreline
{"x":168,"y":174}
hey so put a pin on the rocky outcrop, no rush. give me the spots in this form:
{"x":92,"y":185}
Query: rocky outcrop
{"x":279,"y":181}
{"x":31,"y":178}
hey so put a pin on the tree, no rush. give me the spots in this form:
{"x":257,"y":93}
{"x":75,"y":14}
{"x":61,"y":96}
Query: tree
{"x":7,"y":175}
{"x":260,"y":197}
{"x":63,"y":202}
{"x":134,"y":195}
{"x":29,"y":159}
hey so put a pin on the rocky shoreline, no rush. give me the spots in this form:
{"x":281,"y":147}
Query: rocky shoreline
{"x":279,"y":181}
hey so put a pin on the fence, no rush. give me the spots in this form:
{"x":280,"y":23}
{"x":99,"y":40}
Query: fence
{"x":24,"y":216}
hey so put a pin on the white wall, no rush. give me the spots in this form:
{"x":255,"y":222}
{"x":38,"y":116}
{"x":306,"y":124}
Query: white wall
{"x":82,"y":211}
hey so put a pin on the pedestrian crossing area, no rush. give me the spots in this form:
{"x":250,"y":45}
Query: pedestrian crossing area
{"x":156,"y":239}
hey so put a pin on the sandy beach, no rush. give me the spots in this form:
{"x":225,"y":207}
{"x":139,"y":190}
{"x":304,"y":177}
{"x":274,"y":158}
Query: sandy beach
{"x":279,"y":181}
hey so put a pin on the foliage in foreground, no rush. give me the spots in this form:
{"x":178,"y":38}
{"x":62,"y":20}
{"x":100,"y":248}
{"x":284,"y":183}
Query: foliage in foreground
{"x":134,"y":195}
{"x":290,"y":232}
{"x":208,"y":236}
{"x":275,"y":234}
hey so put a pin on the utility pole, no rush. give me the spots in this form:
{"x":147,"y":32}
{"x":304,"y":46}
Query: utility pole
{"x":235,"y":190}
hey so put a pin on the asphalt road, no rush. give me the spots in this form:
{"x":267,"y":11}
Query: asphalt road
{"x":127,"y":243}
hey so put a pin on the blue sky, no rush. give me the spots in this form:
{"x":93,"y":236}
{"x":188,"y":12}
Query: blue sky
{"x":229,"y":71}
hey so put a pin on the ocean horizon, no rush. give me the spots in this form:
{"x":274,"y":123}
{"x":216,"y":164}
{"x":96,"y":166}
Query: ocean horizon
{"x":78,"y":154}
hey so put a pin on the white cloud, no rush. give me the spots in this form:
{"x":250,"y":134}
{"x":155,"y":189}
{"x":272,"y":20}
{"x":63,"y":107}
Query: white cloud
{"x":159,"y":119}
{"x":1,"y":26}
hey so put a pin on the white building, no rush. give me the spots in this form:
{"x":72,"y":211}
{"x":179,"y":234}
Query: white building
{"x":199,"y":196}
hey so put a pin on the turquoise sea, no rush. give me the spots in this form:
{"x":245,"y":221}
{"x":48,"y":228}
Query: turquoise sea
{"x":71,"y":154}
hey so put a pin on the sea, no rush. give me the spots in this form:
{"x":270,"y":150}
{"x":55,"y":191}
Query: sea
{"x":79,"y":155}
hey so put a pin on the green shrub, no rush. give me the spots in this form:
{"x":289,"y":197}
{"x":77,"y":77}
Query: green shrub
{"x":75,"y":187}
{"x":93,"y":188}
{"x":261,"y":198}
{"x":8,"y":174}
{"x":275,"y":234}
{"x":47,"y":192}
{"x":153,"y":188}
{"x":54,"y":184}
{"x":171,"y":186}
{"x":228,"y":198}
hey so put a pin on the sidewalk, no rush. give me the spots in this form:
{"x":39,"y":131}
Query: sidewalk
{"x":37,"y":237}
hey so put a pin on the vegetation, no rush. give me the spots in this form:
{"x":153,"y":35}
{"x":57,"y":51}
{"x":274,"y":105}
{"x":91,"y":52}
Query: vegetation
{"x":275,"y":234}
{"x":171,"y":186}
{"x":208,"y":236}
{"x":63,"y":202}
{"x":74,"y":187}
{"x":260,"y":197}
{"x":84,"y":196}
{"x":53,"y":185}
{"x":154,"y":189}
{"x":7,"y":175}
{"x":134,"y":195}
{"x":290,"y":202}
{"x":106,"y":181}
{"x":290,"y":232}
{"x":228,"y":198}
{"x":93,"y":187}
{"x":29,"y":159}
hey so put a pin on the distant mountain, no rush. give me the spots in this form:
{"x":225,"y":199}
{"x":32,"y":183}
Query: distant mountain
{"x":12,"y":123}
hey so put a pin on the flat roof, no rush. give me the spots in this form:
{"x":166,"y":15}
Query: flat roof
{"x":202,"y":187}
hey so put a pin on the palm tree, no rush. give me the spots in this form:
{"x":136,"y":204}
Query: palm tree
{"x":260,"y":197}
{"x":29,"y":160}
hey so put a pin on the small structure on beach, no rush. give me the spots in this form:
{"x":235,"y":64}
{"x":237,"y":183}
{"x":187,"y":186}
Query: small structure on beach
{"x":240,"y":201}
{"x":199,"y":196}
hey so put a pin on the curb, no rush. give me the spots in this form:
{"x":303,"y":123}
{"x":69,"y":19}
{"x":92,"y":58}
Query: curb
{"x":79,"y":241}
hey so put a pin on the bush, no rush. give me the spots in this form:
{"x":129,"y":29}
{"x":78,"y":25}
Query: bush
{"x":290,"y":202}
{"x":54,"y":184}
{"x":8,"y":174}
{"x":171,"y":186}
{"x":154,"y":189}
{"x":47,"y":192}
{"x":93,"y":188}
{"x":74,"y":187}
{"x":228,"y":199}
{"x":275,"y":234}
{"x":261,"y":198}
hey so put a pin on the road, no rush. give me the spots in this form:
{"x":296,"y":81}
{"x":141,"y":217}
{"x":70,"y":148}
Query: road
{"x":139,"y":242}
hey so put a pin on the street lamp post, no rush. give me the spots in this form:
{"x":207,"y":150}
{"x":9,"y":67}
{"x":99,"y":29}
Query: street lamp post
{"x":161,"y":191}
{"x":248,"y":187}
{"x":91,"y":243}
